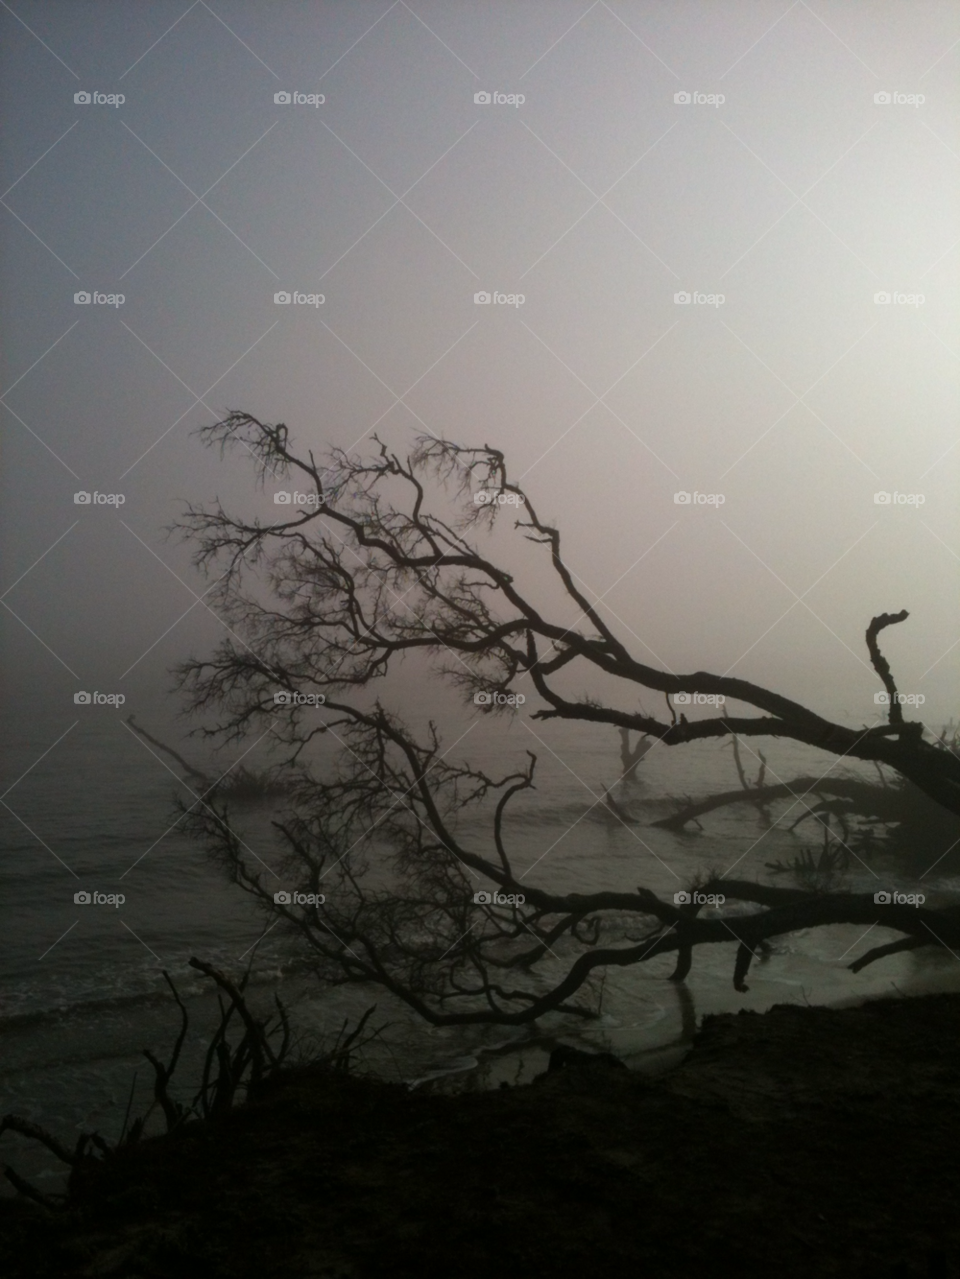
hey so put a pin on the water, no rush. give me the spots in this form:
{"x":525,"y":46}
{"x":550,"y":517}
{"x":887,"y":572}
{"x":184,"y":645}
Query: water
{"x":81,"y":989}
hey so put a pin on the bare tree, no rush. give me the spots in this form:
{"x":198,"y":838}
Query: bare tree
{"x":630,"y":756}
{"x":323,"y":603}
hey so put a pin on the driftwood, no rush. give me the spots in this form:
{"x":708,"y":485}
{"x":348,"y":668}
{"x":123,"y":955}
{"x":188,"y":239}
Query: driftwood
{"x":897,"y":815}
{"x":871,"y":800}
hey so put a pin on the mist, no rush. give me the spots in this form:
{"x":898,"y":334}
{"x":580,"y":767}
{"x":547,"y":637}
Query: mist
{"x":692,"y":269}
{"x":797,"y":199}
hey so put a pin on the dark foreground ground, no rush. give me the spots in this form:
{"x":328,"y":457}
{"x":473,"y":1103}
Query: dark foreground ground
{"x":804,"y":1142}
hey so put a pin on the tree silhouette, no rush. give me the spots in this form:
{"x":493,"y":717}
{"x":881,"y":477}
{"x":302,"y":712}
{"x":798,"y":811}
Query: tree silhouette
{"x":323,"y":603}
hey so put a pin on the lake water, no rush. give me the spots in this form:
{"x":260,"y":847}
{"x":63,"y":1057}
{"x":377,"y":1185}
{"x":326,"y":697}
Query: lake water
{"x":81,"y":990}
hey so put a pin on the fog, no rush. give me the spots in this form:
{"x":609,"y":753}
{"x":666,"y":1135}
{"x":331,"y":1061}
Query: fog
{"x":693,"y":268}
{"x":598,"y":198}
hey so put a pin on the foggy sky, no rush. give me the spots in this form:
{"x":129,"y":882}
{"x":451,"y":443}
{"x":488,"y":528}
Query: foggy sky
{"x":599,"y":198}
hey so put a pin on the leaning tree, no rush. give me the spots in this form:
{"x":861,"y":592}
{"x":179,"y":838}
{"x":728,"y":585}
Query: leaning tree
{"x":377,"y":557}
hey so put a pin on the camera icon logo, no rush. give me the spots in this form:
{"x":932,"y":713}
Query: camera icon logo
{"x":282,"y":498}
{"x":882,"y":498}
{"x":881,"y":299}
{"x":681,"y":699}
{"x":681,"y":98}
{"x":282,"y":298}
{"x":882,"y":898}
{"x":282,"y":99}
{"x":82,"y":99}
{"x":482,"y":99}
{"x":481,"y":298}
{"x":82,"y":298}
{"x":81,"y":498}
{"x":882,"y":99}
{"x":681,"y":299}
{"x":483,"y":699}
{"x":81,"y":699}
{"x":483,"y":898}
{"x":681,"y":899}
{"x":82,"y":898}
{"x":282,"y":898}
{"x":282,"y":699}
{"x":682,"y":498}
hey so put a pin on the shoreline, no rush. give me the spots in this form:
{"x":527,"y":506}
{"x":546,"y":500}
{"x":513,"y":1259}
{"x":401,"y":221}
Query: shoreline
{"x":803,"y":1140}
{"x":80,"y":1076}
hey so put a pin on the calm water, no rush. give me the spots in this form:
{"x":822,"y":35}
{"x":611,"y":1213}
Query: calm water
{"x":81,"y":991}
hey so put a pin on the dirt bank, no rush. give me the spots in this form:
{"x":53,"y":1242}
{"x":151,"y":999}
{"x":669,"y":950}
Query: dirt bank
{"x":801,"y":1142}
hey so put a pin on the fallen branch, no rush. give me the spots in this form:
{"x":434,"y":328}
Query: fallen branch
{"x":869,"y":799}
{"x":206,"y":782}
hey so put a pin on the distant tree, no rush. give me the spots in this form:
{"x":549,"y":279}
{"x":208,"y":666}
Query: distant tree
{"x":368,"y":566}
{"x":630,"y":756}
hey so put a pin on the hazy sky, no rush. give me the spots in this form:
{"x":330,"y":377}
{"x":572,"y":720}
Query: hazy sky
{"x":782,"y":186}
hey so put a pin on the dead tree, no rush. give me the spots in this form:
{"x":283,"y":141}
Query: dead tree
{"x":630,"y":756}
{"x":870,"y":800}
{"x":194,"y":773}
{"x":388,"y":561}
{"x":894,"y":815}
{"x":369,"y":573}
{"x":238,"y":783}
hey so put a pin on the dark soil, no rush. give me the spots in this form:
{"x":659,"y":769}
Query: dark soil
{"x":801,"y":1142}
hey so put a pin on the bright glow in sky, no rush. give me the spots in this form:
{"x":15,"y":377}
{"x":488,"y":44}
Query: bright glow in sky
{"x":798,"y":199}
